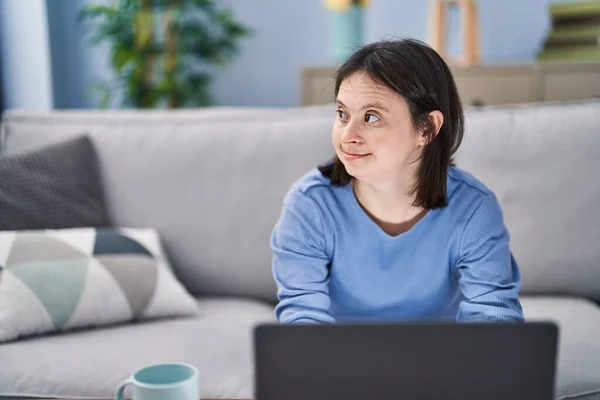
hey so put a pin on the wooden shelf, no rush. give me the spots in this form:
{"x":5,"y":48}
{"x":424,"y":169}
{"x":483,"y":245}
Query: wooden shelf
{"x":489,"y":84}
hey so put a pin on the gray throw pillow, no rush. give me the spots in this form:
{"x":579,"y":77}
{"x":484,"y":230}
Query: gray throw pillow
{"x":54,"y":187}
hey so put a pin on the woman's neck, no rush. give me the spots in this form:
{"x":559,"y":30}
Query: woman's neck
{"x":389,"y":203}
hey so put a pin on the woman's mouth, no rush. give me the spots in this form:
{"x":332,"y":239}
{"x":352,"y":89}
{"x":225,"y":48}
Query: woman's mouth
{"x":354,"y":156}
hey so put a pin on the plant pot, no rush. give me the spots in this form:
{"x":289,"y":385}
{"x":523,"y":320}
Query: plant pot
{"x":346,"y":32}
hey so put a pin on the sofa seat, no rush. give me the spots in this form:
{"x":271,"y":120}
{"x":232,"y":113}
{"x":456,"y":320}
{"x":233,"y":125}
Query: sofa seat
{"x":578,"y":372}
{"x":92,"y":363}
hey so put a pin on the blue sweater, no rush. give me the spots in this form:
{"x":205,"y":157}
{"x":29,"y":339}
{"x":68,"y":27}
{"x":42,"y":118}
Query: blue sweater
{"x":333,"y":263}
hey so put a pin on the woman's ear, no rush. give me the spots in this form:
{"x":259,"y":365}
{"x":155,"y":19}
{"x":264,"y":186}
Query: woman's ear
{"x":436,"y":120}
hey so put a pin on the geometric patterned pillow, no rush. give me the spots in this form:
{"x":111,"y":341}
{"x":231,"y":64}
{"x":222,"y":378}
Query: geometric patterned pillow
{"x":56,"y":280}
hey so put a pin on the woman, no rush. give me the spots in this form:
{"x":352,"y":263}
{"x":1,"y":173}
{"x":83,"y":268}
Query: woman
{"x":391,"y":230}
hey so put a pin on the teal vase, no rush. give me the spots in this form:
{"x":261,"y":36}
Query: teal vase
{"x":347,"y":32}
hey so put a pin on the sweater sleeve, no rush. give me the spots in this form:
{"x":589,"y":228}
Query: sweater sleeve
{"x":489,"y":275}
{"x":300,"y":263}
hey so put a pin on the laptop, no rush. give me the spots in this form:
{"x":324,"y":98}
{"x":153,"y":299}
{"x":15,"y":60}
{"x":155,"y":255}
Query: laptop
{"x":423,"y":361}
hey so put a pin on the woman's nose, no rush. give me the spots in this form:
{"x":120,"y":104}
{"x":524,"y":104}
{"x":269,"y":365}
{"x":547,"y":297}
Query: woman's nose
{"x":351,"y":135}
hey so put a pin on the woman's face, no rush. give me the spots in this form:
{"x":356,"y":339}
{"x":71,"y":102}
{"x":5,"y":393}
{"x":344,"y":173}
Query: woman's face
{"x":373,"y":134}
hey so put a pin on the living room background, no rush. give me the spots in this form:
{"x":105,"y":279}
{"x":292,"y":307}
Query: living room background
{"x":287,"y":36}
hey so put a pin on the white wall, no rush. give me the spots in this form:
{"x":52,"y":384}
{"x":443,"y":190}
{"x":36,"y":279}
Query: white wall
{"x":26,"y":71}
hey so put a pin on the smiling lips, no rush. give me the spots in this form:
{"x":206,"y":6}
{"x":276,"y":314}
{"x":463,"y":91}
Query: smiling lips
{"x":354,"y":156}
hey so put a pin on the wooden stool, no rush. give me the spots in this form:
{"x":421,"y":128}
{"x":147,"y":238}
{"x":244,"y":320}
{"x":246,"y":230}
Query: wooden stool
{"x":471,"y":53}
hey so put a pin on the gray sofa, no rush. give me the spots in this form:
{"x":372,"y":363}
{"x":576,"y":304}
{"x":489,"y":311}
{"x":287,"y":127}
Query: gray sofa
{"x":212,"y":182}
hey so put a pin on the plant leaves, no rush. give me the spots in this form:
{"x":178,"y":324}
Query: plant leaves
{"x":202,"y":34}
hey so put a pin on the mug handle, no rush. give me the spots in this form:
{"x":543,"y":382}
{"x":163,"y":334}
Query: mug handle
{"x":121,"y":389}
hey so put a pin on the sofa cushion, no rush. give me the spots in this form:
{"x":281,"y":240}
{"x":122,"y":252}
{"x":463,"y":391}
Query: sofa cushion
{"x":542,"y":162}
{"x":578,"y":371}
{"x":59,"y":280}
{"x":56,"y":186}
{"x":92,"y":363}
{"x":211,"y":182}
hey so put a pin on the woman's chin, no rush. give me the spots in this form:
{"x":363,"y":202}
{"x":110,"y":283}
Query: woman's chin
{"x":355,"y":171}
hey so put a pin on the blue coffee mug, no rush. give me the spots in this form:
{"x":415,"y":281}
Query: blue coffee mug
{"x":162,"y":382}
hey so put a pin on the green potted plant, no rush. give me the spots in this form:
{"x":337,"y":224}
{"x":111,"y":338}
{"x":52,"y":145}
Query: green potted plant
{"x":162,"y":51}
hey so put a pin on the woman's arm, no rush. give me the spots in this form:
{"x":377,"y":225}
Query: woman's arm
{"x":489,"y":275}
{"x":300,"y":262}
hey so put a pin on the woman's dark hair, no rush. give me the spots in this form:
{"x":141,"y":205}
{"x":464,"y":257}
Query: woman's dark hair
{"x":420,"y":75}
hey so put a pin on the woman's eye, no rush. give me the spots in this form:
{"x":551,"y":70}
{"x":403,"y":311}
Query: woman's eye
{"x":342,"y":115}
{"x":371,"y":118}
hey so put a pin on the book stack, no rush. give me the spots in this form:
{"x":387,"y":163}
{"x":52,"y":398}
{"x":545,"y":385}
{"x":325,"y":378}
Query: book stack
{"x":575,"y":33}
